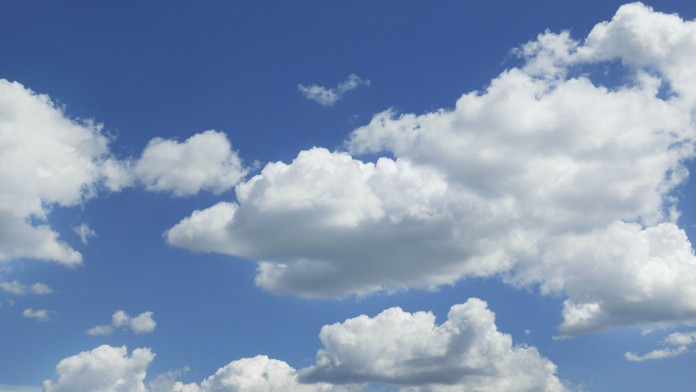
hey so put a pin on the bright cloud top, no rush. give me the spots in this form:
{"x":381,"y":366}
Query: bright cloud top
{"x":47,"y":159}
{"x":105,"y":368}
{"x":394,"y":348}
{"x":204,"y":161}
{"x":464,"y":353}
{"x":517,"y":180}
{"x":329,"y":96}
{"x":51,"y":160}
{"x":141,"y":324}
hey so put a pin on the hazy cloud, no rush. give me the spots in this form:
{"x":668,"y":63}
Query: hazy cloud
{"x":329,"y":96}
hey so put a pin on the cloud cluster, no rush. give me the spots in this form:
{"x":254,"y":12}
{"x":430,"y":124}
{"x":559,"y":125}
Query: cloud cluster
{"x":140,"y":324}
{"x":38,"y":314}
{"x":394,"y":348}
{"x":329,"y":96}
{"x":105,"y":368}
{"x":17,"y":288}
{"x":546,"y":178}
{"x":47,"y":159}
{"x":466,"y":352}
{"x":676,"y":344}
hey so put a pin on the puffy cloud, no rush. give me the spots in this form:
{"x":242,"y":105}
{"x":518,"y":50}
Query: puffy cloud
{"x":38,"y":314}
{"x":546,"y":178}
{"x":392,"y":349}
{"x":18,"y":288}
{"x":204,"y":161}
{"x":105,"y":368}
{"x":329,"y":96}
{"x":141,"y":324}
{"x":84,"y":232}
{"x":466,"y":352}
{"x":48,"y":160}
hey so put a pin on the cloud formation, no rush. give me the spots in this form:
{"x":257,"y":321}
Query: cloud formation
{"x":205,"y":161}
{"x":84,"y":232}
{"x":392,"y":349}
{"x":141,"y":324}
{"x":105,"y":368}
{"x":48,"y":160}
{"x":545,"y":178}
{"x":329,"y":96}
{"x":466,"y":352}
{"x":40,"y":315}
{"x":17,"y":288}
{"x":676,"y":344}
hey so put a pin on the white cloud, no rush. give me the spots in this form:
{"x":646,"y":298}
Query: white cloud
{"x":38,"y":314}
{"x":329,"y":96}
{"x":545,"y":178}
{"x":392,"y":349}
{"x":141,"y":324}
{"x":105,"y":368}
{"x":204,"y":161}
{"x":466,"y":352}
{"x":678,"y":343}
{"x":48,"y":160}
{"x":84,"y":232}
{"x":17,"y":288}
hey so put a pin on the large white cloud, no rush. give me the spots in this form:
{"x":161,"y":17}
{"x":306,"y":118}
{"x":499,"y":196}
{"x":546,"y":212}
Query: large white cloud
{"x":104,"y":369}
{"x":47,"y":159}
{"x":544,"y":177}
{"x":205,"y":161}
{"x":393,"y":349}
{"x":466,"y":352}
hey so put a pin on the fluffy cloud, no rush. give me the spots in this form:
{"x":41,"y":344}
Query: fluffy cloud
{"x":677,"y":344}
{"x":466,"y":352}
{"x":38,"y":314}
{"x":47,"y":159}
{"x":545,"y":178}
{"x":394,"y":348}
{"x":142,"y":323}
{"x":18,"y":288}
{"x":204,"y":161}
{"x":329,"y":96}
{"x":105,"y":368}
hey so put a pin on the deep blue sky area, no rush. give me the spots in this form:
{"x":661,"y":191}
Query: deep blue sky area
{"x":177,"y":68}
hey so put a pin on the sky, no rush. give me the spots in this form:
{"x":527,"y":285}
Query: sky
{"x":347,"y":196}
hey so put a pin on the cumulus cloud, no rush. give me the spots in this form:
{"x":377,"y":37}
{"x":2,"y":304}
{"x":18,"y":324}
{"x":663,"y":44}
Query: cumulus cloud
{"x":466,"y":352}
{"x":141,"y":324}
{"x":48,"y":160}
{"x":105,"y":368}
{"x":546,"y":178}
{"x":38,"y":314}
{"x":676,"y":344}
{"x":84,"y":232}
{"x":17,"y":288}
{"x":204,"y":161}
{"x":329,"y":96}
{"x":393,"y":349}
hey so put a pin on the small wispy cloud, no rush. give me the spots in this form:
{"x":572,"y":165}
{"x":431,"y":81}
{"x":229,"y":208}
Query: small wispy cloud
{"x":84,"y":232}
{"x":38,"y":314}
{"x":143,"y":323}
{"x":18,"y":288}
{"x":329,"y":96}
{"x":677,"y":344}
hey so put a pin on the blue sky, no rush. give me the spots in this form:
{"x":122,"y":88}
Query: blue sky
{"x":270,"y":195}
